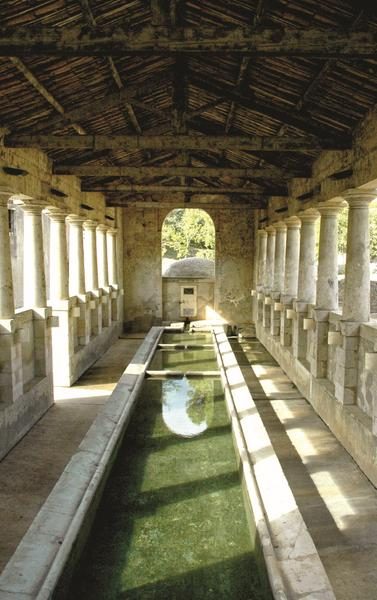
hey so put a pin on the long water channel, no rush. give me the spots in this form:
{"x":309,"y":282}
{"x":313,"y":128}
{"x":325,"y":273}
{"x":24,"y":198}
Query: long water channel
{"x":171,"y":522}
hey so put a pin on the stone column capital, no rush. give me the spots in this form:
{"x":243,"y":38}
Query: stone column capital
{"x":90,"y":225}
{"x":74,"y":219}
{"x":280,"y":226}
{"x":357,"y":198}
{"x":308,"y":216}
{"x":262,"y":232}
{"x":293,"y":223}
{"x":271,"y":230}
{"x":331,"y":208}
{"x":112,"y":231}
{"x":102,"y":228}
{"x":33,"y":208}
{"x":56,"y":215}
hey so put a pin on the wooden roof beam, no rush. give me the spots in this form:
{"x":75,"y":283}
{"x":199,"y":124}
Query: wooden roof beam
{"x":176,"y":171}
{"x":177,"y":142}
{"x":166,"y":189}
{"x":194,"y":203}
{"x":75,"y":41}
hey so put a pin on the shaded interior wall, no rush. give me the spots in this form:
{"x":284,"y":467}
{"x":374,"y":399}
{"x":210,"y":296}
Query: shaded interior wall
{"x":171,"y":296}
{"x":142,"y":265}
{"x":234,"y":264}
{"x":142,"y":268}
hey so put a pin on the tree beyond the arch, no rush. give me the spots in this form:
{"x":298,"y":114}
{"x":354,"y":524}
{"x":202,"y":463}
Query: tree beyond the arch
{"x":188,"y":232}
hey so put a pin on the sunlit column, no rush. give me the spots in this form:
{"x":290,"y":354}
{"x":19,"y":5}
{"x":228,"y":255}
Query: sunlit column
{"x":34,"y":275}
{"x":270,"y":258}
{"x":327,"y":281}
{"x":356,"y":306}
{"x":58,"y":255}
{"x":262,"y":256}
{"x":103,"y":273}
{"x":292,"y":257}
{"x":112,"y":255}
{"x":76,"y":255}
{"x":6,"y":282}
{"x":279,"y":263}
{"x":90,"y":256}
{"x":307,"y":263}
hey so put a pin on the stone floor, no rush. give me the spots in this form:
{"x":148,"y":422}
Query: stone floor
{"x":337,"y":501}
{"x":29,"y":472}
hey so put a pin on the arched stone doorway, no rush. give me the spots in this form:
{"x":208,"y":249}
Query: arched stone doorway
{"x":188,"y":264}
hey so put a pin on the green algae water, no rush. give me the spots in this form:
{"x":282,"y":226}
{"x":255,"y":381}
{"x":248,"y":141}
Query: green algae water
{"x":171,"y":522}
{"x":186,"y":337}
{"x":184,"y":360}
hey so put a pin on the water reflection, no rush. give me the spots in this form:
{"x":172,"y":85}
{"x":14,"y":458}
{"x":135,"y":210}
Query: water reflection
{"x":187,"y":405}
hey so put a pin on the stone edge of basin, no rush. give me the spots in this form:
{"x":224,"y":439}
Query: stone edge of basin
{"x":293,"y":565}
{"x":40,"y":558}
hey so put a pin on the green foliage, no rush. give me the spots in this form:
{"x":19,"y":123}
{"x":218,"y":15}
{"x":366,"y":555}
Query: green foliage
{"x":188,"y":232}
{"x":342,"y":232}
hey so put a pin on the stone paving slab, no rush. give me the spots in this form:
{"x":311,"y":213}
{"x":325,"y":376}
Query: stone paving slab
{"x":337,"y":501}
{"x":32,"y":468}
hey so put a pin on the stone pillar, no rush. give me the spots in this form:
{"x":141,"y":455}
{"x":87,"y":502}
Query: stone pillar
{"x":90,"y":256}
{"x":269,"y":275}
{"x":103,"y":274}
{"x":356,"y":305}
{"x":76,"y":255}
{"x":306,"y":287}
{"x":91,"y":275}
{"x":77,"y":291}
{"x":327,"y":286}
{"x":11,"y":367}
{"x":262,"y":258}
{"x":112,"y":256}
{"x":279,"y":269}
{"x":58,"y":256}
{"x":6,"y":281}
{"x":290,"y":279}
{"x":34,"y":275}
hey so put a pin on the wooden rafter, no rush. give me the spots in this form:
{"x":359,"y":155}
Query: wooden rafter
{"x":177,"y":142}
{"x":176,"y":171}
{"x":43,"y":91}
{"x":310,"y":43}
{"x":166,"y":189}
{"x":90,"y":19}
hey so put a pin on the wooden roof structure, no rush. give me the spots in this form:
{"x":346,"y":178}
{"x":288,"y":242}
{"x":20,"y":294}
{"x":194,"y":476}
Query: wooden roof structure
{"x":173,"y":98}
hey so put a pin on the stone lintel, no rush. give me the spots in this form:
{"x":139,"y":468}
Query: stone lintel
{"x":320,"y":314}
{"x":300,"y":306}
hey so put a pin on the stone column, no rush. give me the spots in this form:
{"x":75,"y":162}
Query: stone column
{"x":290,"y":279}
{"x":76,"y":255}
{"x":103,"y":272}
{"x":356,"y":305}
{"x":262,"y":258}
{"x":34,"y":275}
{"x":6,"y":281}
{"x":58,"y":256}
{"x":91,"y":275}
{"x":327,"y":286}
{"x":11,"y":385}
{"x":90,"y":256}
{"x":269,"y":275}
{"x":306,"y":287}
{"x":77,"y":291}
{"x":112,"y":255}
{"x":279,"y":269}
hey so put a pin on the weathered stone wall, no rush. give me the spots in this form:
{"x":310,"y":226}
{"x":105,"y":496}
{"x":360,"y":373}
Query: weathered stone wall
{"x":142,"y":265}
{"x":171,"y":296}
